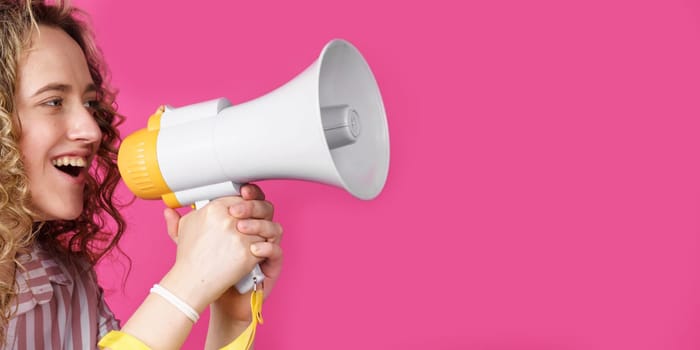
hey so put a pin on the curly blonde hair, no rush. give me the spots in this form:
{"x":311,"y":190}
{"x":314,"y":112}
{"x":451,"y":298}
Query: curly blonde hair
{"x":98,"y":229}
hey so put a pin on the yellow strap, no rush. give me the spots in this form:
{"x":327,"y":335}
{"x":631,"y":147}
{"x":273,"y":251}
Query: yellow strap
{"x":245,"y":340}
{"x":119,"y":340}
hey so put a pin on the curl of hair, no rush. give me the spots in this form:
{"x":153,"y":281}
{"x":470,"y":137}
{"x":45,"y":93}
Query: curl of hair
{"x":100,"y":226}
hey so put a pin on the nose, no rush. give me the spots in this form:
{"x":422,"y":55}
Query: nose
{"x":83,"y":126}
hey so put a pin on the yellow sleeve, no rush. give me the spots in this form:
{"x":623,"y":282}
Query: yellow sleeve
{"x":118,"y":340}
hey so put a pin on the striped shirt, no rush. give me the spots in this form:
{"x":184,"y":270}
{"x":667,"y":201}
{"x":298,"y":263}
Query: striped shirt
{"x":60,"y":306}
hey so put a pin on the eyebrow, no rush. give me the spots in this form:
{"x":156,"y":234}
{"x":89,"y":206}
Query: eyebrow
{"x":62,"y":88}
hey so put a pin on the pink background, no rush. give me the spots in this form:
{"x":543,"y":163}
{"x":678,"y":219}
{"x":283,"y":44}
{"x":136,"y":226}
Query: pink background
{"x":544,"y":190}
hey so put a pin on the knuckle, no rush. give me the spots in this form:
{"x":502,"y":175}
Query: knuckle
{"x":228,"y":222}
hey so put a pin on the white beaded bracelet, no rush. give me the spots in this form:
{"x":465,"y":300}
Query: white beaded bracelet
{"x":177,"y":302}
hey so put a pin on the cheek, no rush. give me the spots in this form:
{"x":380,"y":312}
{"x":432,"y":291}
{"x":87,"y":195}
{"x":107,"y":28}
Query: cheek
{"x":34,"y":148}
{"x":37,"y":135}
{"x":30,"y":151}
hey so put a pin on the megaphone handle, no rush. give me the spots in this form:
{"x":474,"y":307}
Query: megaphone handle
{"x":250,"y":280}
{"x":255,"y":277}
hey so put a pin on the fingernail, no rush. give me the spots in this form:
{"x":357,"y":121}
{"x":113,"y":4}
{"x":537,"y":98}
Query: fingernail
{"x":255,"y":248}
{"x":243,"y":225}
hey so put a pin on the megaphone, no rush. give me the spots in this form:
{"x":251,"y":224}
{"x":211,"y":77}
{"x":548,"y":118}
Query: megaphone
{"x":326,"y":125}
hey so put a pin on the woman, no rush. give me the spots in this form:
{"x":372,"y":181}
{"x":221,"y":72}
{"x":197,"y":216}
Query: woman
{"x":57,"y":179}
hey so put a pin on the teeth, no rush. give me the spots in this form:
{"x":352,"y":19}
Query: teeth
{"x":73,"y":161}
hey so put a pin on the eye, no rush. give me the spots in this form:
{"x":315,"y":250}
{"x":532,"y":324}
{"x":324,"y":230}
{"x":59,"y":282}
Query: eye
{"x":54,"y":102}
{"x":92,"y":104}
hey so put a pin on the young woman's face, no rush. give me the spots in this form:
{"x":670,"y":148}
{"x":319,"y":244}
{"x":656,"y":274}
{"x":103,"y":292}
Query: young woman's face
{"x":54,"y":99}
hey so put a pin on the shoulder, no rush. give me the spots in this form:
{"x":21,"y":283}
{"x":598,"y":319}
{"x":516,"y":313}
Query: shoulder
{"x":41,"y":274}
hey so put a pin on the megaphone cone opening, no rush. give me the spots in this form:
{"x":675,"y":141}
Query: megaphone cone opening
{"x":345,"y":79}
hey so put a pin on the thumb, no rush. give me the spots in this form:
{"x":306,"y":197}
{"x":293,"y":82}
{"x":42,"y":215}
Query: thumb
{"x":172,"y":221}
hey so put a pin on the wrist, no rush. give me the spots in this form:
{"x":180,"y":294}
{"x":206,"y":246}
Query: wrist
{"x":188,"y":290}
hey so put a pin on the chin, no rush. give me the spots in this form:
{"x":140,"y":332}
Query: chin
{"x":66,"y":214}
{"x":72,"y":215}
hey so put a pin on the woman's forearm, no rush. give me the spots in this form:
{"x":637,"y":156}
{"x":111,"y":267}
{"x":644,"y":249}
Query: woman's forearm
{"x":160,"y":324}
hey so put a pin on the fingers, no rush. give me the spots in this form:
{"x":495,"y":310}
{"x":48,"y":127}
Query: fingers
{"x":256,"y":209}
{"x":252,"y":191}
{"x":272,"y":263}
{"x":271,"y":231}
{"x":270,"y":251}
{"x":172,"y":222}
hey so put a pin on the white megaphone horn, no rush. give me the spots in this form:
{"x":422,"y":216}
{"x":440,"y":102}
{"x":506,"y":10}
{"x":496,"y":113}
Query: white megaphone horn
{"x":326,"y":125}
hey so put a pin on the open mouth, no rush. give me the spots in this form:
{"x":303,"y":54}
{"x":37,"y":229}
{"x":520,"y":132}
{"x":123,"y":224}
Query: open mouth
{"x":70,"y":165}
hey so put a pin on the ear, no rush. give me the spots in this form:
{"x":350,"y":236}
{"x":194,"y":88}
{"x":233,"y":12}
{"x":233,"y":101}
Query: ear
{"x":172,"y":222}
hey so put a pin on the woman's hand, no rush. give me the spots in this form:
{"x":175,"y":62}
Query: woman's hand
{"x":255,"y":219}
{"x":253,"y":216}
{"x":212,"y":254}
